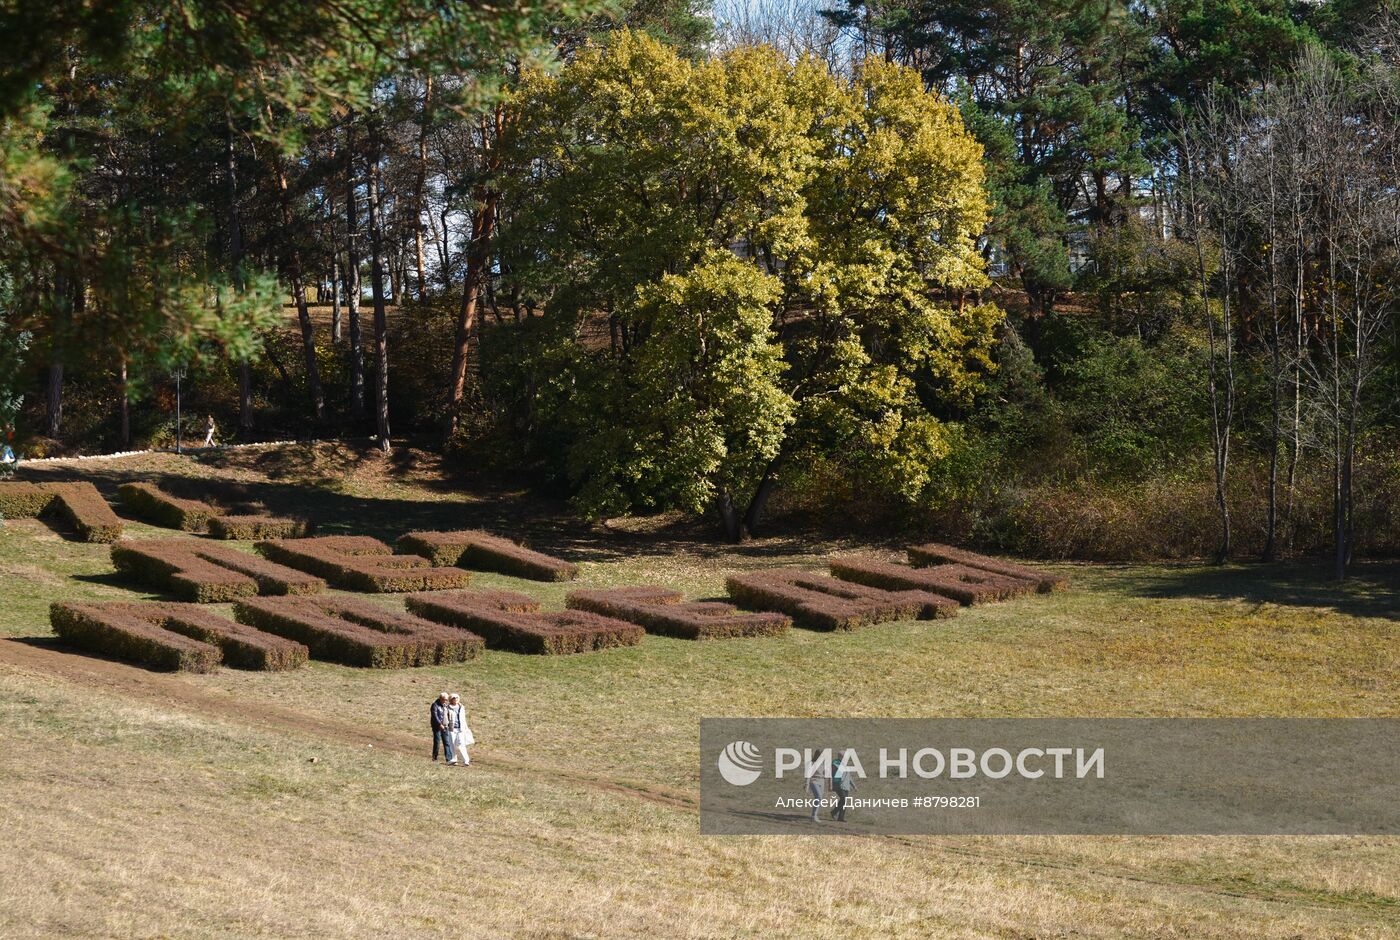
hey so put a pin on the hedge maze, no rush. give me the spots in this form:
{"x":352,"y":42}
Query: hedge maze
{"x":361,"y":563}
{"x":357,"y":632}
{"x":485,"y":552}
{"x":934,"y":553}
{"x":661,"y":611}
{"x":511,"y":621}
{"x":173,"y":636}
{"x":205,"y":572}
{"x":824,"y":603}
{"x":150,"y":503}
{"x":77,"y":504}
{"x":961,"y":583}
{"x":252,"y":528}
{"x":283,"y":617}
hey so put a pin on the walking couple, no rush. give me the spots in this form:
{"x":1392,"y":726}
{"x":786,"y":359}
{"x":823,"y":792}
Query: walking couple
{"x":448,"y":719}
{"x":828,"y":776}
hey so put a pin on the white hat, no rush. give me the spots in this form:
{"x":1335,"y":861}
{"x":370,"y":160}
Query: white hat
{"x":454,"y":695}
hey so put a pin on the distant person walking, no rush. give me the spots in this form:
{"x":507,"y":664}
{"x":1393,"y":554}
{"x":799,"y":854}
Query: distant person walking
{"x":437,"y":720}
{"x":817,"y":782}
{"x":209,"y":431}
{"x":841,"y":784}
{"x":461,"y":732}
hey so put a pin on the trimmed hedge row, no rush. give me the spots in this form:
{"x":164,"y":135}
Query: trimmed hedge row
{"x":661,"y":611}
{"x":486,"y":552}
{"x":825,"y":603}
{"x":358,"y":632}
{"x":250,"y":528}
{"x":361,"y":563}
{"x":934,"y":553}
{"x":78,"y":504}
{"x":172,"y":636}
{"x":512,"y":621}
{"x":207,"y":573}
{"x":959,"y":582}
{"x":150,"y":503}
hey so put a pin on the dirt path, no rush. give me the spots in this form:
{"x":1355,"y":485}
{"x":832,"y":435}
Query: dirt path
{"x":170,"y":691}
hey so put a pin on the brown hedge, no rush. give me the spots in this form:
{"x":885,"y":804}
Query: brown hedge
{"x":357,"y":632}
{"x":958,"y":582}
{"x":150,"y":503}
{"x":512,"y":621}
{"x":935,"y":553}
{"x":173,"y":636}
{"x":78,"y":504}
{"x":250,"y":528}
{"x":486,"y":552}
{"x":361,"y":563}
{"x":825,"y":603}
{"x":661,"y":611}
{"x":206,"y":572}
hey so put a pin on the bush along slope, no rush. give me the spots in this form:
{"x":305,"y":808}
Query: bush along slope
{"x":934,"y":553}
{"x":172,"y":636}
{"x":511,"y":621}
{"x":963,"y":584}
{"x":250,"y":528}
{"x":77,"y":504}
{"x":150,"y":503}
{"x":361,"y":563}
{"x":207,"y":573}
{"x":824,"y":603}
{"x":485,"y":552}
{"x":661,"y":611}
{"x":358,"y":632}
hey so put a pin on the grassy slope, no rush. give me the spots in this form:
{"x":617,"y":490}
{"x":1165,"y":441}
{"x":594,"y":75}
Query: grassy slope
{"x":352,"y":837}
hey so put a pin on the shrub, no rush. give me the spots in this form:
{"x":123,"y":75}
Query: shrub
{"x":207,"y":573}
{"x":961,"y":583}
{"x":173,"y":636}
{"x":361,"y":563}
{"x":824,"y":603}
{"x":511,"y":621}
{"x":660,"y":611}
{"x":358,"y":632}
{"x":249,"y":528}
{"x":934,"y":553}
{"x":78,"y":504}
{"x":150,"y":503}
{"x":486,"y":552}
{"x":110,"y":630}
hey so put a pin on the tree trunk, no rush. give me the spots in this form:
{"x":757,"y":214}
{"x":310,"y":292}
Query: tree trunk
{"x":123,"y":407}
{"x":478,"y":264}
{"x":54,"y":412}
{"x":335,"y":297}
{"x":758,"y":505}
{"x":420,"y":185}
{"x":729,"y":516}
{"x":381,"y":327}
{"x":235,"y":257}
{"x":353,"y":288}
{"x":294,"y":274}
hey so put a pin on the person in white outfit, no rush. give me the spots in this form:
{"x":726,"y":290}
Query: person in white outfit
{"x":209,"y":431}
{"x":817,"y":783}
{"x":461,"y":732}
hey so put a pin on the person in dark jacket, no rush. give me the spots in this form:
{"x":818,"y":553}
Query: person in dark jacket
{"x":442,"y":735}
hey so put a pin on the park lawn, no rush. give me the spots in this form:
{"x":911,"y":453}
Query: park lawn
{"x":544,"y":855}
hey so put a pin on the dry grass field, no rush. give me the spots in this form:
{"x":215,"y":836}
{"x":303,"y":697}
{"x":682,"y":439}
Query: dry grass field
{"x":138,"y":804}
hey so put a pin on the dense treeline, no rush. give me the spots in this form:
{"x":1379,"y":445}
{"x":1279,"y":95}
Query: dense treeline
{"x":1105,"y":280}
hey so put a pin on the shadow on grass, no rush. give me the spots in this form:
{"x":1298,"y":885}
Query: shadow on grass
{"x":1372,"y":589}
